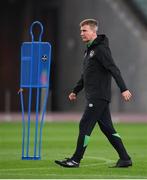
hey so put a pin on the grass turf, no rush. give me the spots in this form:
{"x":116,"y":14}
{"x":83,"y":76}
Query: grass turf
{"x":59,"y":140}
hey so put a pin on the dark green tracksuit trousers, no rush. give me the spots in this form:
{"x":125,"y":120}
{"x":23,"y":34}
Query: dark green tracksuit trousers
{"x":98,"y":112}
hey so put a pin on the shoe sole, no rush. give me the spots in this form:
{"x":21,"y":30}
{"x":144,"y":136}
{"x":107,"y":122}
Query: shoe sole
{"x":58,"y":162}
{"x":121,"y":166}
{"x":65,"y":165}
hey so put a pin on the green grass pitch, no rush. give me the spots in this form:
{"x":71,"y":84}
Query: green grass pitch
{"x":59,"y":140}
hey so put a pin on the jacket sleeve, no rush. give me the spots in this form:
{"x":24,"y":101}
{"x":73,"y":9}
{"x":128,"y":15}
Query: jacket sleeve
{"x":107,"y":61}
{"x":79,"y":86}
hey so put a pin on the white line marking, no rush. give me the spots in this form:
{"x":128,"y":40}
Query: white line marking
{"x":106,"y":161}
{"x":81,"y":175}
{"x":24,"y":169}
{"x":100,"y":158}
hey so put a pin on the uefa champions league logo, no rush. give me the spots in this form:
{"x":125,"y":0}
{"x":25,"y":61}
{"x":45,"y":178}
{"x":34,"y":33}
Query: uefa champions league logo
{"x":44,"y":58}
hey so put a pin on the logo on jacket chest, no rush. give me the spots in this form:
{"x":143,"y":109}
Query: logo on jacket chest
{"x":91,"y":54}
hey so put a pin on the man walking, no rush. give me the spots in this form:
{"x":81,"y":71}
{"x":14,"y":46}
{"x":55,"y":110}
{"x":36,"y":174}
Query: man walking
{"x":98,"y":68}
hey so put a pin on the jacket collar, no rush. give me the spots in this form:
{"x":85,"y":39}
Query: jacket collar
{"x":101,"y":39}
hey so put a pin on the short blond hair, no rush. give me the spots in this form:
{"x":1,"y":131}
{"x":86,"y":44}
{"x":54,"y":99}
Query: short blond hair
{"x":91,"y":22}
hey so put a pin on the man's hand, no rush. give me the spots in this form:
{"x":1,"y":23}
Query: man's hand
{"x":126,"y":95}
{"x":72,"y":96}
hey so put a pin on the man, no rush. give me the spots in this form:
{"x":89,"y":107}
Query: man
{"x":98,"y":67}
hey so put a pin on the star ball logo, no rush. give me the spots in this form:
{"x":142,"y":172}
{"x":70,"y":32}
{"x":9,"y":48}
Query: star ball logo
{"x":44,"y":58}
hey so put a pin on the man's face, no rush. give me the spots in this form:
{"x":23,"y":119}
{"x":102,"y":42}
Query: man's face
{"x":87,"y":34}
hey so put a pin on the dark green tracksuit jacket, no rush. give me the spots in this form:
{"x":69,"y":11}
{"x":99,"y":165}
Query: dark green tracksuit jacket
{"x":98,"y":68}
